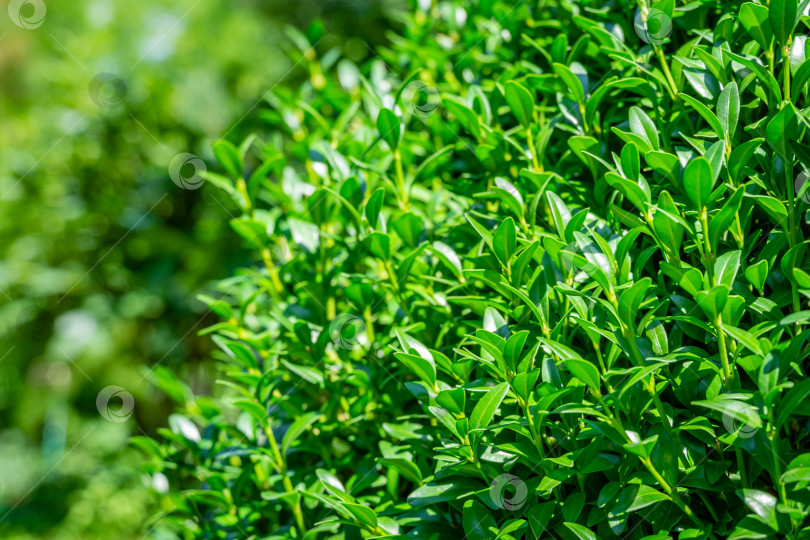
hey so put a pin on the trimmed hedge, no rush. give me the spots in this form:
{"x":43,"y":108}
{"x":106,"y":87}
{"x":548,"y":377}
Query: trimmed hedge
{"x":535,"y":271}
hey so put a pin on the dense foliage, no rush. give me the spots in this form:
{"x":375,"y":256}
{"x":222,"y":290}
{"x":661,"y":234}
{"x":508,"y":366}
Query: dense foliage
{"x":100,"y":253}
{"x":534,"y":271}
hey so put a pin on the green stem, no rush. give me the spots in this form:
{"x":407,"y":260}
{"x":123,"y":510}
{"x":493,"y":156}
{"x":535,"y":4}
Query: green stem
{"x":741,"y":467}
{"x":281,"y":468}
{"x":397,"y":290}
{"x":533,"y":151}
{"x":792,"y":228}
{"x":773,"y":437}
{"x":271,"y":267}
{"x":673,"y":88}
{"x":403,"y":201}
{"x":538,"y":441}
{"x":707,"y":246}
{"x":786,"y":72}
{"x":721,"y":339}
{"x":241,"y":187}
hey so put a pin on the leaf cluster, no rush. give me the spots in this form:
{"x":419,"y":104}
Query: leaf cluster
{"x":537,"y":270}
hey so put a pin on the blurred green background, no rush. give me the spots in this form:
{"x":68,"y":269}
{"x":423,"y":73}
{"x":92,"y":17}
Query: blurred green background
{"x":102,"y":254}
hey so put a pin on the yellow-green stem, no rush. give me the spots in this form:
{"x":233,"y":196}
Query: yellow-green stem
{"x":721,"y":339}
{"x":786,"y":72}
{"x":533,"y":151}
{"x":673,"y":88}
{"x":403,"y":192}
{"x":271,"y":268}
{"x":281,"y":468}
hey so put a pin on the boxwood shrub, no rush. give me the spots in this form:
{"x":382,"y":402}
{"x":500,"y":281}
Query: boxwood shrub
{"x":535,"y":270}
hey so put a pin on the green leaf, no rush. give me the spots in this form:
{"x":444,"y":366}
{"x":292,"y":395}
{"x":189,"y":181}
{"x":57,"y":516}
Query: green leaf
{"x":453,"y":400}
{"x":631,"y":300}
{"x":762,"y":504}
{"x":477,"y":521}
{"x":726,"y":267}
{"x":373,"y":207}
{"x":728,"y":110}
{"x":635,"y":497}
{"x":792,"y":400}
{"x":297,"y":429}
{"x":581,"y":532}
{"x":782,"y":129}
{"x":571,"y":81}
{"x":390,"y":128}
{"x":485,"y":234}
{"x":521,"y":103}
{"x":799,"y":81}
{"x":523,"y":383}
{"x":227,"y":154}
{"x":740,"y":157}
{"x":485,"y":409}
{"x":756,"y":275}
{"x":585,"y":372}
{"x":466,"y":117}
{"x":631,"y":165}
{"x":743,"y":337}
{"x":755,"y":20}
{"x":690,"y":279}
{"x":698,"y":182}
{"x":762,"y":74}
{"x":379,"y":245}
{"x":363,"y":514}
{"x":560,"y":213}
{"x":644,"y":127}
{"x":707,"y":114}
{"x":409,"y":227}
{"x":734,"y":411}
{"x":713,"y":301}
{"x":423,"y":368}
{"x":504,"y":242}
{"x":783,"y":15}
{"x":449,"y":257}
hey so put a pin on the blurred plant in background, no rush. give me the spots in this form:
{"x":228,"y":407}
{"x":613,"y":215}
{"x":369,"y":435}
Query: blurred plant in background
{"x":101,"y":253}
